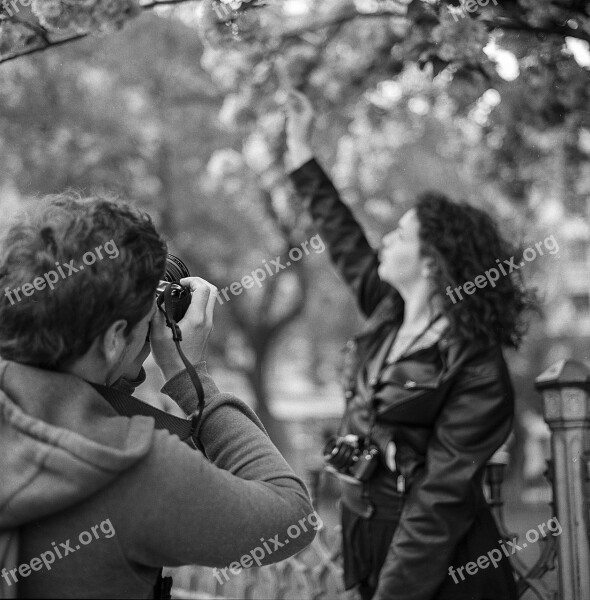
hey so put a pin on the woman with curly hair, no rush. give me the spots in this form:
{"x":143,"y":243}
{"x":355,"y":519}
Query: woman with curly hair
{"x":428,"y":394}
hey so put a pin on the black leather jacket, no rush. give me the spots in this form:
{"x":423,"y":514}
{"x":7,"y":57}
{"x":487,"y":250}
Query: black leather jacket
{"x":447,"y":415}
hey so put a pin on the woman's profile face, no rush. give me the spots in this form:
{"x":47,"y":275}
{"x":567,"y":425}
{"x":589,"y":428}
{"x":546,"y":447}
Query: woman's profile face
{"x":400,"y":260}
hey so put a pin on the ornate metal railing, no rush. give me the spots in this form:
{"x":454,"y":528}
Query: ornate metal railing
{"x":528,"y":578}
{"x":566,"y":405}
{"x":313,"y":574}
{"x":316,"y":572}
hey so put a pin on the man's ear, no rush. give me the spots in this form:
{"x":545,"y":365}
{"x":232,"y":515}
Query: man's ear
{"x":114,"y":341}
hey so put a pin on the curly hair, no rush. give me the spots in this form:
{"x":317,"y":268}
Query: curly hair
{"x":464,"y":242}
{"x":51,"y":328}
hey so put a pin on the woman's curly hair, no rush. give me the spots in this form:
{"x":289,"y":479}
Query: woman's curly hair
{"x":464,"y":243}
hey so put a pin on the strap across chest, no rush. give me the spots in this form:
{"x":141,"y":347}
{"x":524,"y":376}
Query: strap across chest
{"x":387,"y":353}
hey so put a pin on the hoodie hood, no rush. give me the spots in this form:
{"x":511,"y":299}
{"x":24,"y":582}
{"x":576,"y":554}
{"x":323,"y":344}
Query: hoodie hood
{"x":60,"y":442}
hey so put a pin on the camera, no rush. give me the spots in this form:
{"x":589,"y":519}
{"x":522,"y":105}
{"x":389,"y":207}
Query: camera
{"x":180,"y":295}
{"x":351,"y":457}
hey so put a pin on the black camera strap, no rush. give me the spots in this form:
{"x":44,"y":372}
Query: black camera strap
{"x":168,"y":311}
{"x":382,"y":361}
{"x":382,"y":358}
{"x":129,"y":406}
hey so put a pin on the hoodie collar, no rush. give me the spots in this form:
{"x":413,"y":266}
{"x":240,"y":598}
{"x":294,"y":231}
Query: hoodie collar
{"x":60,"y":442}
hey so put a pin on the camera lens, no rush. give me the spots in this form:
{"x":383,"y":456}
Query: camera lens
{"x":175,"y":269}
{"x":179,"y":295}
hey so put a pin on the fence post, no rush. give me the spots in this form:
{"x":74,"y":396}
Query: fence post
{"x":566,"y":401}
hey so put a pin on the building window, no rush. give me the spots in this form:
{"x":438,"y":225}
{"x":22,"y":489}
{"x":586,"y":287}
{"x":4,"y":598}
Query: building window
{"x":581,"y":302}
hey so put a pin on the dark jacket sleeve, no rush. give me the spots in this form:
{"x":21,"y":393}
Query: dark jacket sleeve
{"x":351,"y":253}
{"x":443,"y":500}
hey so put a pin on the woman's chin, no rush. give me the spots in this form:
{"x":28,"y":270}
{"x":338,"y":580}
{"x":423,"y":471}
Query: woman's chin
{"x":383,"y":275}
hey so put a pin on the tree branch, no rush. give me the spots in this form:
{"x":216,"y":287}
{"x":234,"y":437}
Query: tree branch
{"x":347,"y":15}
{"x":520,"y":25}
{"x":500,"y":23}
{"x":151,"y":5}
{"x":194,"y":98}
{"x":49,"y":43}
{"x":297,"y":308}
{"x":37,"y":29}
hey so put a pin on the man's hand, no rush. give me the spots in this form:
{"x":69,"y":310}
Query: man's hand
{"x":300,"y":120}
{"x":196,"y":326}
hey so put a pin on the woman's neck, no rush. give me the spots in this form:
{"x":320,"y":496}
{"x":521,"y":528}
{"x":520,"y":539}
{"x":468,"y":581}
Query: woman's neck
{"x":419,"y":306}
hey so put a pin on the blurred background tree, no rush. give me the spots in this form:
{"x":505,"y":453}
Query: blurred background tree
{"x":178,"y":105}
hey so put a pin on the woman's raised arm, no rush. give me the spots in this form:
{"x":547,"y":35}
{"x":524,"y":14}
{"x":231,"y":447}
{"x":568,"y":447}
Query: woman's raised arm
{"x":349,"y":249}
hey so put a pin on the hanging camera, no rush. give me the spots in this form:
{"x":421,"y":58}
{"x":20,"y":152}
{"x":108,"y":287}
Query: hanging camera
{"x":351,"y":457}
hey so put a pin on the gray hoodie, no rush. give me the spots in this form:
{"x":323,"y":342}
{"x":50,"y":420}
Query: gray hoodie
{"x":112,"y":499}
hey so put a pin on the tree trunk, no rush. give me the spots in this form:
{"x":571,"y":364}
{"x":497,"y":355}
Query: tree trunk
{"x":276,"y":429}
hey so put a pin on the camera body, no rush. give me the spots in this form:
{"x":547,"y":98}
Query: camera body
{"x":351,"y":457}
{"x":180,"y":295}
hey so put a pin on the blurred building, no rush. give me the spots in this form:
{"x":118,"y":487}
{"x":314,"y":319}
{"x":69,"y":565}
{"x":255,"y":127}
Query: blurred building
{"x":567,"y":287}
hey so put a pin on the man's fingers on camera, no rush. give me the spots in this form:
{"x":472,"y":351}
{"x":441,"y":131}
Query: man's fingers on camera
{"x":203,"y":298}
{"x":195,"y":283}
{"x":211,"y":303}
{"x":159,"y":330}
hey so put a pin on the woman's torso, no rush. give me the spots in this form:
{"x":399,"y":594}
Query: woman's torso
{"x":406,"y":395}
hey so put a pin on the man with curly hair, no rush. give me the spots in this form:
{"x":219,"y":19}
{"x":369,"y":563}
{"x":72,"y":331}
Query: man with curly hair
{"x":70,"y":462}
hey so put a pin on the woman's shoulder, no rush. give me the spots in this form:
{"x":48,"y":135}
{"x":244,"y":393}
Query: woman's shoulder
{"x":477,"y":359}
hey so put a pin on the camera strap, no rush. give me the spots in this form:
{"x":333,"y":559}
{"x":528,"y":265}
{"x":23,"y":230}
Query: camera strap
{"x":382,"y":358}
{"x":381,"y":361}
{"x":129,"y":406}
{"x":168,"y":311}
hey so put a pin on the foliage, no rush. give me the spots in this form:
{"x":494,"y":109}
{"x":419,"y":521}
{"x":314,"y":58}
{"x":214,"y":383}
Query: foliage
{"x":338,"y":50}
